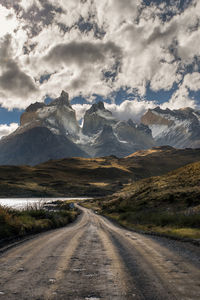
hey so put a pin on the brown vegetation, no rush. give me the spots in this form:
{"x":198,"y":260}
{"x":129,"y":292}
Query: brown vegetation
{"x":91,"y":177}
{"x":34,"y":219}
{"x":166,"y":204}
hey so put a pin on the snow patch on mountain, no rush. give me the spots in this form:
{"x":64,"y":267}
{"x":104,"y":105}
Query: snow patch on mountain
{"x":158,"y":130}
{"x":121,"y":141}
{"x":177,"y":128}
{"x":197,"y":115}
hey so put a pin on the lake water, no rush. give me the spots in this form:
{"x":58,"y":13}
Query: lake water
{"x":20,"y":203}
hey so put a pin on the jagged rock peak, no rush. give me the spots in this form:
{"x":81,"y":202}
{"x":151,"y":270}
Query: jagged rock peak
{"x":65,"y":96}
{"x":160,"y":110}
{"x":96,"y":117}
{"x":96,"y":106}
{"x":34,"y":107}
{"x":62,"y":100}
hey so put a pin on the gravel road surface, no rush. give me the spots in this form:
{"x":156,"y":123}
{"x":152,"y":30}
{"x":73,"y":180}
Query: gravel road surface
{"x":94,"y":259}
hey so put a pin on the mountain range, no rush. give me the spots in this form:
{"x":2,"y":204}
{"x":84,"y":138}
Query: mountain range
{"x":51,"y":131}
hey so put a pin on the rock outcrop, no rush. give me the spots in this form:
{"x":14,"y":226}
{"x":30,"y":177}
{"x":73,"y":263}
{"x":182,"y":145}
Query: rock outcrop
{"x":95,"y":118}
{"x":178,"y":128}
{"x":45,"y":132}
{"x":58,"y":116}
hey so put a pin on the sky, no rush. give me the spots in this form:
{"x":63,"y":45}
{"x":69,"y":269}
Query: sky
{"x":131,"y":54}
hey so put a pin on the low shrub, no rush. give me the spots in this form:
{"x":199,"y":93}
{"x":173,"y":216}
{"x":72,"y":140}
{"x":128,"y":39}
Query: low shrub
{"x":161,"y":219}
{"x":33,"y":220}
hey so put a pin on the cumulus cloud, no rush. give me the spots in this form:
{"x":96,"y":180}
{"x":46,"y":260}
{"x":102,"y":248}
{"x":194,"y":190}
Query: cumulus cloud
{"x":180,"y":99}
{"x":80,"y":68}
{"x":98,"y":47}
{"x":192,"y":81}
{"x":8,"y":21}
{"x":28,"y":4}
{"x":130,"y":109}
{"x":7,"y":129}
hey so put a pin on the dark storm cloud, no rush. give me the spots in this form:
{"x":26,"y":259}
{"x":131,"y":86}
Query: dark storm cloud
{"x":82,"y":53}
{"x":12,"y":78}
{"x":79,"y":83}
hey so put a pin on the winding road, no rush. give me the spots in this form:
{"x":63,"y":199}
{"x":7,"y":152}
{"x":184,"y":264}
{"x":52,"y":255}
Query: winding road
{"x":95,"y":259}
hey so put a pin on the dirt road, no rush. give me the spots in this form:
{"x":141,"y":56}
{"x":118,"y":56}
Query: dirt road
{"x":94,"y":259}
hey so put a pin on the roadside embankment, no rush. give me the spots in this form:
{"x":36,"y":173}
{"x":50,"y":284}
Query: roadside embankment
{"x":20,"y":223}
{"x":173,"y":225}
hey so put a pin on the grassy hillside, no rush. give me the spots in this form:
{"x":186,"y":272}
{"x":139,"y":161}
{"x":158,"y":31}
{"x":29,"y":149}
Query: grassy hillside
{"x":65,"y":177}
{"x":167,"y":204}
{"x":160,"y":160}
{"x":91,"y":177}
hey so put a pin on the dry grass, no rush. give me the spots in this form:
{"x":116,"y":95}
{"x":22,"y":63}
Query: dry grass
{"x":90,"y":177}
{"x":34,"y":219}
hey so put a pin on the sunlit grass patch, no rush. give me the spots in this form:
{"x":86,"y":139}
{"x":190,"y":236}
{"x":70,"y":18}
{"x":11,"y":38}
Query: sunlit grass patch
{"x":168,"y":226}
{"x":193,"y":233}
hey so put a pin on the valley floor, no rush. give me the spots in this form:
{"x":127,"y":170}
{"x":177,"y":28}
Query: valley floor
{"x":94,"y":259}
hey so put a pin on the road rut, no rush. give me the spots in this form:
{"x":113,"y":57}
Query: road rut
{"x":95,"y":259}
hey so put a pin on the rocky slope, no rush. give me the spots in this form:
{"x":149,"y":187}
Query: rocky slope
{"x":35,"y":145}
{"x":177,"y":128}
